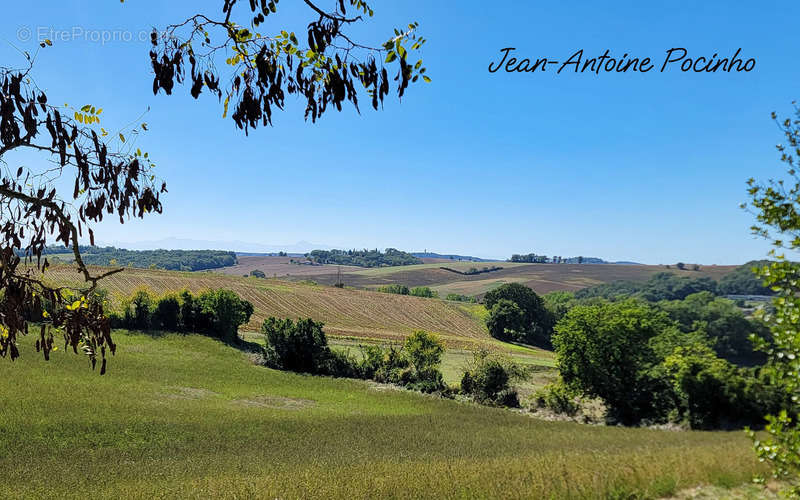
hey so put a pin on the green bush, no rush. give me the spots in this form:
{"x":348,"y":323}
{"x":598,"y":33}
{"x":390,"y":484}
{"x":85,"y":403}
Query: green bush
{"x":397,"y":289}
{"x":488,"y":379}
{"x":295,"y":346}
{"x":423,"y":291}
{"x":167,"y":313}
{"x":460,"y":298}
{"x":558,"y":398}
{"x":138,"y":310}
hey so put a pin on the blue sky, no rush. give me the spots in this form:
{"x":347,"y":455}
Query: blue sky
{"x":646,"y":167}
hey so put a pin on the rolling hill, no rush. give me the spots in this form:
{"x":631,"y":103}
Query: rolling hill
{"x":346,"y":312}
{"x":542,"y":278}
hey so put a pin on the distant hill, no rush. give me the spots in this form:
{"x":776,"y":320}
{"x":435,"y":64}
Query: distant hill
{"x":466,"y":258}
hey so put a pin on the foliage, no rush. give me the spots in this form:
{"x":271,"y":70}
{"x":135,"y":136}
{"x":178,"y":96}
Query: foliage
{"x":537,"y":323}
{"x":460,"y":298}
{"x":423,"y":291}
{"x":605,"y":351}
{"x":743,"y":281}
{"x":138,"y":310}
{"x":174,"y":260}
{"x":395,"y":288}
{"x":257,"y":273}
{"x":645,"y":368}
{"x":330,"y":69}
{"x":724,"y":323}
{"x":424,"y":351}
{"x":558,"y":303}
{"x":472,"y":270}
{"x":776,"y":205}
{"x":364,"y":258}
{"x":506,"y":321}
{"x":167,"y":313}
{"x":302,"y":346}
{"x":488,"y":379}
{"x":660,"y":286}
{"x":77,"y":177}
{"x":712,"y":393}
{"x":558,"y":398}
{"x":529,"y":258}
{"x":218,"y":313}
{"x":296,"y":346}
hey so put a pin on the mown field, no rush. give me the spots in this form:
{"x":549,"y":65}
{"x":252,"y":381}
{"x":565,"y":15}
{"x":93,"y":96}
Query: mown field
{"x":188,"y":417}
{"x":346,"y":312}
{"x":542,"y":278}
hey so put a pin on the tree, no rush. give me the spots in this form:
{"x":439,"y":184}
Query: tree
{"x":506,"y":321}
{"x":328,"y":69}
{"x":776,"y":205}
{"x":605,"y":351}
{"x":110,"y":176}
{"x":681,"y":266}
{"x":537,"y":321}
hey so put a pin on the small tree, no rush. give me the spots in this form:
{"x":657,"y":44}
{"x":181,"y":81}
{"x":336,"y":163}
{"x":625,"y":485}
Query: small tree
{"x":424,"y":352}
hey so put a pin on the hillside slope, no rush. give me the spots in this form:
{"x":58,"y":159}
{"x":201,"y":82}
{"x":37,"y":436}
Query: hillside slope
{"x":345,"y":312}
{"x":187,"y":417}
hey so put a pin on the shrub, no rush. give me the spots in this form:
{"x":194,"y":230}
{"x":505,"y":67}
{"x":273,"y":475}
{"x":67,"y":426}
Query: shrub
{"x":222,"y":312}
{"x":167,"y":313}
{"x":558,"y":398}
{"x":423,"y":291}
{"x":257,"y":273}
{"x":296,"y":346}
{"x":460,"y":298}
{"x":398,"y":289}
{"x":488,"y":379}
{"x":424,"y":351}
{"x":138,"y":310}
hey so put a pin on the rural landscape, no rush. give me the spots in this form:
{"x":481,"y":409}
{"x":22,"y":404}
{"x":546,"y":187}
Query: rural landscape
{"x":506,"y":310}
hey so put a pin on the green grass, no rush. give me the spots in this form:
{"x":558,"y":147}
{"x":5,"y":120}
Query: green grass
{"x":187,"y":416}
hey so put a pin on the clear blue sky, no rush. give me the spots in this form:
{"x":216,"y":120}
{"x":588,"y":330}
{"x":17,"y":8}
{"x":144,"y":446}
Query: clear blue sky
{"x":647,"y":167}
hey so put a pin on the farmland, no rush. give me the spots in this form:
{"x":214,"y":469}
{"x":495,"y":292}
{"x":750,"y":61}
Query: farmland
{"x":345,"y":312}
{"x":542,"y":278}
{"x":185,"y":416}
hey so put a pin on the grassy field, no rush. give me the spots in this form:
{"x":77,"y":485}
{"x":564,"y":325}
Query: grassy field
{"x":186,"y":416}
{"x":346,"y":312}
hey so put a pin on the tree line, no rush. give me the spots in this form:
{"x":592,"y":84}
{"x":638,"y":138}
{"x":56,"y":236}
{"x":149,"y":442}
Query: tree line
{"x":363,"y":258}
{"x":669,"y":286}
{"x":172,"y":260}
